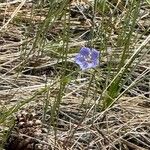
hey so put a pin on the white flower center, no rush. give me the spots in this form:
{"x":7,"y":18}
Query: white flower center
{"x":89,"y":58}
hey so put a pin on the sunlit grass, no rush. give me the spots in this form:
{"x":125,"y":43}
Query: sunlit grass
{"x":112,"y":32}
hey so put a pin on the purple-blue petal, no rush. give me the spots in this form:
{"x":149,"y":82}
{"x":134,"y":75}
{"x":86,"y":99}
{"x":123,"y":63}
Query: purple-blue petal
{"x":94,"y":54}
{"x":87,"y":58}
{"x":84,"y":65}
{"x":92,"y":65}
{"x":85,"y":51}
{"x":79,"y":59}
{"x":95,"y":63}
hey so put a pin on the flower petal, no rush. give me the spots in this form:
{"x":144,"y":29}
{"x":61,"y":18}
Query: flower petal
{"x":94,"y":54}
{"x":85,"y":51}
{"x":79,"y":59}
{"x":84,"y":65}
{"x":87,"y":58}
{"x":93,"y":64}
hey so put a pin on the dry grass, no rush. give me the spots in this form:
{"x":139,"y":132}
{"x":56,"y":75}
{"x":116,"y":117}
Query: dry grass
{"x":124,"y":126}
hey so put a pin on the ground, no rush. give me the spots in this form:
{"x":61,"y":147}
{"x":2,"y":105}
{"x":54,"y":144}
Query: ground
{"x":30,"y":79}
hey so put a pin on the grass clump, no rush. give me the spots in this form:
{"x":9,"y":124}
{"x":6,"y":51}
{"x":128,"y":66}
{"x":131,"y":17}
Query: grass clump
{"x":47,"y":101}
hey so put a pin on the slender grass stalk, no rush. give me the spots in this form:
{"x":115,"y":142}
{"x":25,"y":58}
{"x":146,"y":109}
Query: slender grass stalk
{"x":107,"y":88}
{"x":53,"y":14}
{"x":110,"y":100}
{"x":64,"y":80}
{"x":124,"y":39}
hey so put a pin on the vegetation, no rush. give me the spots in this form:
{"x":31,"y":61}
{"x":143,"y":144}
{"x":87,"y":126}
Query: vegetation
{"x":47,"y":101}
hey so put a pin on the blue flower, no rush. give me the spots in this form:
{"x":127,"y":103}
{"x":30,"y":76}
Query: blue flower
{"x":87,"y":58}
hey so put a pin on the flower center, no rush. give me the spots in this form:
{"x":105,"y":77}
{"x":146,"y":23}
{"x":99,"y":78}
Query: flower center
{"x":89,"y":58}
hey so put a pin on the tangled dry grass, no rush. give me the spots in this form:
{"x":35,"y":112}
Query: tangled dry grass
{"x":28,"y":76}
